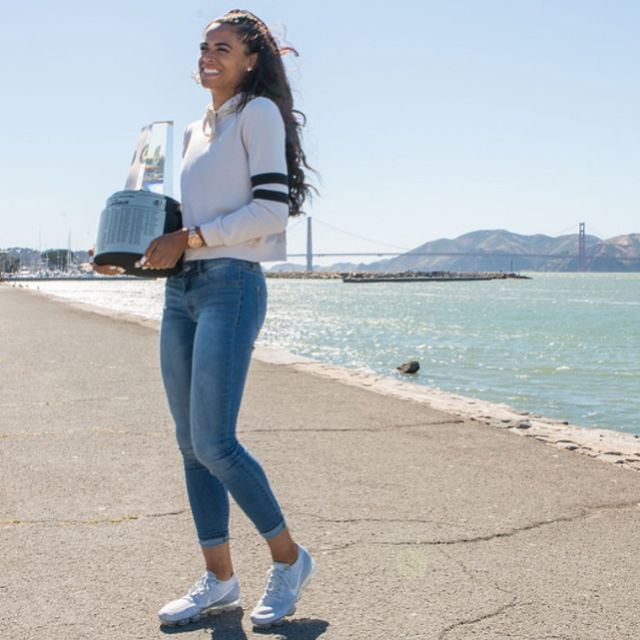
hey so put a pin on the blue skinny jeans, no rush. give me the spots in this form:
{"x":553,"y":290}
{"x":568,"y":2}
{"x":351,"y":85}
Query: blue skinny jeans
{"x":213,"y":312}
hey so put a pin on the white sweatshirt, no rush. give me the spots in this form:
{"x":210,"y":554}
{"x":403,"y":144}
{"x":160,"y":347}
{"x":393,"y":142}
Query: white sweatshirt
{"x":234,"y":182}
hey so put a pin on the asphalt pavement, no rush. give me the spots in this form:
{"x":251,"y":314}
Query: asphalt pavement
{"x":423,"y":524}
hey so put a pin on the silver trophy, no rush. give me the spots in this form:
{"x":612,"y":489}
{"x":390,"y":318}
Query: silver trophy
{"x":144,"y":210}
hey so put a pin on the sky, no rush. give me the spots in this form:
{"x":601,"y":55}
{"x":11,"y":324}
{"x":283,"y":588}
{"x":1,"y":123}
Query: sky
{"x":426,"y":119}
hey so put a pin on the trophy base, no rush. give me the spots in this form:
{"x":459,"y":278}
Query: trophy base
{"x":129,"y":222}
{"x":127,"y":262}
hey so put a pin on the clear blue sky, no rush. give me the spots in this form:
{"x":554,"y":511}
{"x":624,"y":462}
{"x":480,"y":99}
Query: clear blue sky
{"x":426,"y":119}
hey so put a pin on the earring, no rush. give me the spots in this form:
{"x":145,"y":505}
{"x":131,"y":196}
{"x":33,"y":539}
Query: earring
{"x":249,"y":68}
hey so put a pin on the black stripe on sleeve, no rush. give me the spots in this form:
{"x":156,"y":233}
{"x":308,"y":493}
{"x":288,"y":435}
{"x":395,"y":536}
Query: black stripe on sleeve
{"x":266,"y":194}
{"x":270,"y":178}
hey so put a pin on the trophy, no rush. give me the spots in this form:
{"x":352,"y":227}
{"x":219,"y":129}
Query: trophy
{"x":144,"y":210}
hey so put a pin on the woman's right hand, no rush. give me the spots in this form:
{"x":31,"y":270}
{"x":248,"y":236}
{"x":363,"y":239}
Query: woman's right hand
{"x":104,"y":269}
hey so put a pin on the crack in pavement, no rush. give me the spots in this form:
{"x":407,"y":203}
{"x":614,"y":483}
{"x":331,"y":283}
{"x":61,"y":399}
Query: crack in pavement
{"x":494,"y":536}
{"x":486,"y":616}
{"x":356,"y":429}
{"x":62,"y":403}
{"x":472,"y":575}
{"x":553,"y":637}
{"x":118,"y":432}
{"x":74,"y":523}
{"x":353,"y":520}
{"x":39,"y":434}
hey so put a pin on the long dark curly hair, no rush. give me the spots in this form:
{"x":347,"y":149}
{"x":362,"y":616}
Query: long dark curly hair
{"x":268,"y":78}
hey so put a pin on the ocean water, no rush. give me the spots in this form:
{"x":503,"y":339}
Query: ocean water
{"x":566,"y":346}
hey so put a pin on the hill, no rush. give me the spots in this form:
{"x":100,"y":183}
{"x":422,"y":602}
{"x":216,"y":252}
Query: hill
{"x":621,"y":253}
{"x":501,"y":250}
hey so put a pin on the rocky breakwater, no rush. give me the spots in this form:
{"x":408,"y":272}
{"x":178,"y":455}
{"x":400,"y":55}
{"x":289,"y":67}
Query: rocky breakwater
{"x":428,"y":276}
{"x":304,"y":275}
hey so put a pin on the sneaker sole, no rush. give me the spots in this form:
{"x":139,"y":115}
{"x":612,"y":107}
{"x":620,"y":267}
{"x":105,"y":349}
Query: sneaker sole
{"x":205,"y":613}
{"x":280,"y":621}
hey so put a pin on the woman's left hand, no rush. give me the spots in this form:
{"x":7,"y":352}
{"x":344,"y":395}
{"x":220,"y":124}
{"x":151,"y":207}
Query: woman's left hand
{"x":165,"y":251}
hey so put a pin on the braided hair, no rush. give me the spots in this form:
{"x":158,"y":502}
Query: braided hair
{"x":268,"y":78}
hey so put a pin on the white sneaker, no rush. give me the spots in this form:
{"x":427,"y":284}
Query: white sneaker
{"x":206,"y":597}
{"x":284,"y":583}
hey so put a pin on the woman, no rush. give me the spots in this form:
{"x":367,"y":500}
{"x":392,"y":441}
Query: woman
{"x":242,"y":176}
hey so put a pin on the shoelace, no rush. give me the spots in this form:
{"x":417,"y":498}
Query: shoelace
{"x":200,"y":586}
{"x":276,"y":583}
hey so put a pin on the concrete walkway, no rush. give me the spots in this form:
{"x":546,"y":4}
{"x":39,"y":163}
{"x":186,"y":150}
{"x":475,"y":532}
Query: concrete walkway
{"x":423,"y":525}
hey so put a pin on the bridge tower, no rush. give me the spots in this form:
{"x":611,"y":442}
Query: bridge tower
{"x":582,"y":248}
{"x":309,"y":247}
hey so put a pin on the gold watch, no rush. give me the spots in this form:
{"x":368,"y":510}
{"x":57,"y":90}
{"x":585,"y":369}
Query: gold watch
{"x":194,"y":239}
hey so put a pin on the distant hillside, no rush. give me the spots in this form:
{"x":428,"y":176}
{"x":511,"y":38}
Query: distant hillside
{"x":500,"y":250}
{"x":287,"y":267}
{"x":621,"y":253}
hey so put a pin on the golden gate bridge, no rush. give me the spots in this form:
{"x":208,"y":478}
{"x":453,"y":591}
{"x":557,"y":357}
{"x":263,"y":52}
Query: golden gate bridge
{"x":581,"y":256}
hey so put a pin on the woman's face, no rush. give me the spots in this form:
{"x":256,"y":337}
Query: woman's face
{"x":223,"y":60}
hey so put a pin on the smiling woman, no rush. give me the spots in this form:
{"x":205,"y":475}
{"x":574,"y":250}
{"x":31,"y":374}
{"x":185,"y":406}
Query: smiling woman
{"x":242,"y":177}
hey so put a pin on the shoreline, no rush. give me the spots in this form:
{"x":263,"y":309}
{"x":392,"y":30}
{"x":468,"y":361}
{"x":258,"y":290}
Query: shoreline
{"x":608,"y":445}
